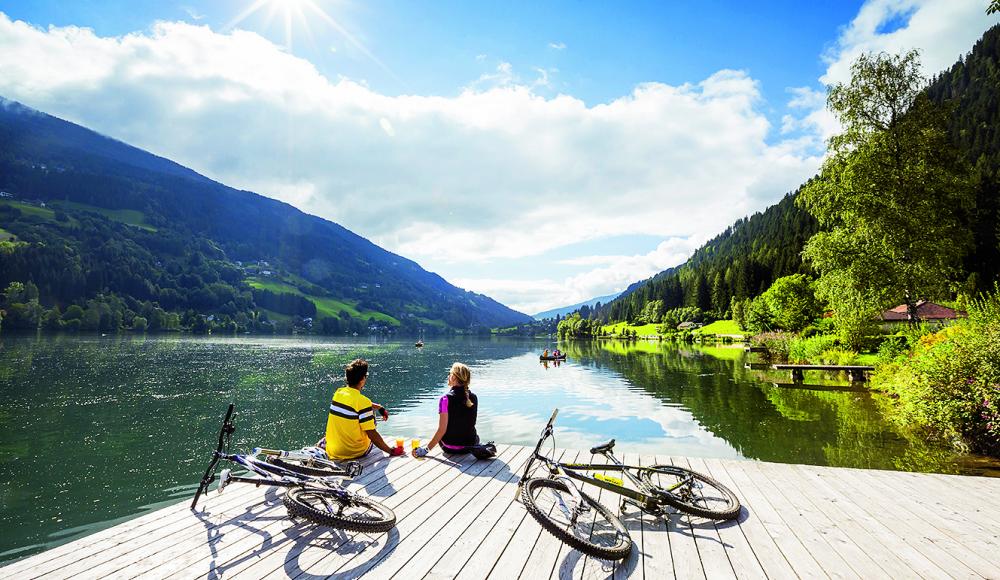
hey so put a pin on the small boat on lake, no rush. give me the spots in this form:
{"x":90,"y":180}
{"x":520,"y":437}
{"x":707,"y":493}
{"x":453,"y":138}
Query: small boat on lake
{"x":419,"y":344}
{"x":550,"y":357}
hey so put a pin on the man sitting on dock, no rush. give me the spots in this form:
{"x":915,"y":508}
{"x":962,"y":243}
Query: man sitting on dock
{"x":350,"y":427}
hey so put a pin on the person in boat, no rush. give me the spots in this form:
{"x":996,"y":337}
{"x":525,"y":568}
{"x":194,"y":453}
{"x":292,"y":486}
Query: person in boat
{"x":556,"y":353}
{"x":457,"y":413}
{"x":350,"y":425}
{"x":545,"y":354}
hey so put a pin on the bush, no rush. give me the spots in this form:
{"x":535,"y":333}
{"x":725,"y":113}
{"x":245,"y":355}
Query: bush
{"x":838,"y":356}
{"x":892,"y":348}
{"x":950,"y":382}
{"x":776,"y":343}
{"x":810,"y":349}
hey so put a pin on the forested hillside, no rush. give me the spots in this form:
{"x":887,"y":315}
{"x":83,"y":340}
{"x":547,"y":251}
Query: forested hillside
{"x":119,"y":233}
{"x":748,"y":257}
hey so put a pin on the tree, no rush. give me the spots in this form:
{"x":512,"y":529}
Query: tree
{"x":994,"y":7}
{"x":792,"y":302}
{"x":890,"y":196}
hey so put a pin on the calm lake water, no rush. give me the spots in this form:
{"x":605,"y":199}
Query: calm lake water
{"x":96,"y":430}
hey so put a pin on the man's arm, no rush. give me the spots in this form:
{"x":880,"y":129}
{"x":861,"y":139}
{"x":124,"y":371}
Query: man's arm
{"x":376,"y":439}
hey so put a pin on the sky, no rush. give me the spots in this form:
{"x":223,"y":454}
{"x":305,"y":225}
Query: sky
{"x":542,"y":153}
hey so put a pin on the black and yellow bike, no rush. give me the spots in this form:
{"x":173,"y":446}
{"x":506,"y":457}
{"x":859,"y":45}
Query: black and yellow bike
{"x":313,"y":483}
{"x":584,"y":523}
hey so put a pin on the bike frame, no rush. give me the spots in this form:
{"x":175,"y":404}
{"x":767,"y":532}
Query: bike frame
{"x":270,"y":474}
{"x":644,"y":496}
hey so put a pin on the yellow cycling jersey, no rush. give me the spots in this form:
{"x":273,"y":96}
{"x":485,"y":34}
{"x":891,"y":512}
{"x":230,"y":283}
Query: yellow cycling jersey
{"x":351,"y":414}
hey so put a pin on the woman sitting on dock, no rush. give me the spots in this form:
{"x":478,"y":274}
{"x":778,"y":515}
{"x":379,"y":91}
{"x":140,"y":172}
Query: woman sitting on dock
{"x":457,"y":412}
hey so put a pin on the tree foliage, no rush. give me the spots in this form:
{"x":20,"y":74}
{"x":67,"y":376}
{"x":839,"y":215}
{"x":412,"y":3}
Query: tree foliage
{"x":892,"y":197}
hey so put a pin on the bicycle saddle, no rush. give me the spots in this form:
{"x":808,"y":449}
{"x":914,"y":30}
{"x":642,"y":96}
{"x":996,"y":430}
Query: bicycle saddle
{"x":603,"y":447}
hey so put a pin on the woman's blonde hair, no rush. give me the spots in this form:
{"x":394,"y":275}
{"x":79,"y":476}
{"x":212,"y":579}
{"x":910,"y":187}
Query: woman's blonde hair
{"x":464,"y":376}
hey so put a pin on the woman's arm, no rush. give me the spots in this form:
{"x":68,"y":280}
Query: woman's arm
{"x":442,"y":427}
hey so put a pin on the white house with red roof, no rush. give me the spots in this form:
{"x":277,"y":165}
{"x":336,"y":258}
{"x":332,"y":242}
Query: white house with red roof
{"x":928,"y":312}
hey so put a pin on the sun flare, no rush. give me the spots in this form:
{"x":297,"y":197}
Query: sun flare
{"x":294,"y":14}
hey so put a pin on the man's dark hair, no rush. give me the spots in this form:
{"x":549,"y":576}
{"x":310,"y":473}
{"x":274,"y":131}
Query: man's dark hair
{"x":356,"y":370}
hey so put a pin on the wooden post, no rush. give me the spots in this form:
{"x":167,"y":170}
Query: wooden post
{"x":797,"y":375}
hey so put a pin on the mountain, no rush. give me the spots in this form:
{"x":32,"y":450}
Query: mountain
{"x":564,"y":310}
{"x":88,"y":218}
{"x":749,"y":256}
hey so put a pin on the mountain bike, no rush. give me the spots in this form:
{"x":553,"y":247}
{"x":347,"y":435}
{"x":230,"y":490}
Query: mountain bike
{"x":313,"y":483}
{"x":584,"y":523}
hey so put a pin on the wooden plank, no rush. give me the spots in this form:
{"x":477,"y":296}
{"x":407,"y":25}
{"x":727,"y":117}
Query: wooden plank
{"x":475,"y":513}
{"x":94,"y":545}
{"x":769,"y":558}
{"x":841,"y":540}
{"x":484,"y":559}
{"x":101,"y":544}
{"x":913,"y":529}
{"x":743,"y":561}
{"x":929,"y":522}
{"x":298,"y":535}
{"x":883,"y":539}
{"x":475,"y":535}
{"x":460,"y":519}
{"x":515,"y":555}
{"x":431,"y":519}
{"x":798,"y":517}
{"x":759,"y":506}
{"x":712,"y":557}
{"x":132,"y":548}
{"x":588,"y":566}
{"x":333,"y":558}
{"x":631,"y":517}
{"x":194,"y":543}
{"x":657,"y":558}
{"x":961,"y":517}
{"x":228,"y":549}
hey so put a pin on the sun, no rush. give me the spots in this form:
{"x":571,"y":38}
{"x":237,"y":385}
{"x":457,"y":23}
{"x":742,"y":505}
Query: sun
{"x":287,"y":11}
{"x":295,"y":14}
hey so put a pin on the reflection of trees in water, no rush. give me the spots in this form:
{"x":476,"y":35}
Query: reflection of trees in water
{"x":760,"y":420}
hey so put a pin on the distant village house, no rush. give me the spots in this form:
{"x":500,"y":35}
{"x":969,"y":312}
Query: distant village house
{"x":929,"y":312}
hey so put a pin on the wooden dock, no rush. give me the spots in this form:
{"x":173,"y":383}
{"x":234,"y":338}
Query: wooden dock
{"x":459,"y":519}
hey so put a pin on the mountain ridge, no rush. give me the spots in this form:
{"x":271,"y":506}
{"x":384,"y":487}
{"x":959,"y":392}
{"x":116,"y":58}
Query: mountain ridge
{"x":564,"y":310}
{"x":46,"y":159}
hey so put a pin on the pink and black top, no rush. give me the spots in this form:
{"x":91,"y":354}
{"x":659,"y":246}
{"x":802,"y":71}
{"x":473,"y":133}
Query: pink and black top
{"x":461,"y":431}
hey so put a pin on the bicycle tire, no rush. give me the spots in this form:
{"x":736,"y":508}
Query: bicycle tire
{"x":582,"y":534}
{"x":721,"y":505}
{"x":313,"y":467}
{"x":316,"y":505}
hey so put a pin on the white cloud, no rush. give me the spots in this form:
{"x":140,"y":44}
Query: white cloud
{"x":942,"y":30}
{"x":557,"y":45}
{"x":497,"y":171}
{"x":608,"y":274}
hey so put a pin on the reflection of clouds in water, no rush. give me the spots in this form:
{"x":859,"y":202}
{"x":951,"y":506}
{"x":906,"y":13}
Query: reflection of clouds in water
{"x":517,"y":396}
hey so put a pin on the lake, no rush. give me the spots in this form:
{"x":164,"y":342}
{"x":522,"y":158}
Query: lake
{"x":96,"y":430}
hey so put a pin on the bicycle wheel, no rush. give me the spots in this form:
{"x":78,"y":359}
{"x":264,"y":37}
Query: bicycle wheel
{"x":698,"y":495}
{"x":597,"y":533}
{"x":339,"y":509}
{"x":314,"y":467}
